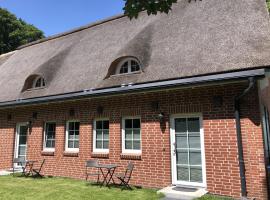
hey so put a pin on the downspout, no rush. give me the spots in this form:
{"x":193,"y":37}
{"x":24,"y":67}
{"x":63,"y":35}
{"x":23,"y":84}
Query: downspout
{"x":239,"y":135}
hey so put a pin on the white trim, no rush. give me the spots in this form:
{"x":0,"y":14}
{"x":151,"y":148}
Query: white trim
{"x":173,"y":156}
{"x":96,"y":150}
{"x":130,"y":151}
{"x":72,"y":150}
{"x":18,"y":125}
{"x":127,"y":59}
{"x":45,"y":149}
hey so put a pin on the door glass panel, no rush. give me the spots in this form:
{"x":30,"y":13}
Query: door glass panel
{"x":193,"y":125}
{"x":182,"y":157}
{"x":183,"y":173}
{"x":195,"y":174}
{"x":180,"y":125}
{"x":188,"y":150}
{"x":181,"y":140}
{"x":194,"y":140}
{"x":195,"y":158}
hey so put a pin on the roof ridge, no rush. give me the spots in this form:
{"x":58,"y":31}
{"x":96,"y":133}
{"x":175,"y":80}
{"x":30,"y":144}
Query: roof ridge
{"x":96,"y":23}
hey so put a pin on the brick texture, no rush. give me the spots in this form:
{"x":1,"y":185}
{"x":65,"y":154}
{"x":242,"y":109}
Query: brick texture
{"x":153,"y":166}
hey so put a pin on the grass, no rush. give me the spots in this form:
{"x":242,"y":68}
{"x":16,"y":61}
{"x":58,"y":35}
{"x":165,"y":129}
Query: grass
{"x":213,"y":197}
{"x":21,"y":188}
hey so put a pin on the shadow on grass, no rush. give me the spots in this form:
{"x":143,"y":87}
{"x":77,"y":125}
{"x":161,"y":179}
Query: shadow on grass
{"x":114,"y":186}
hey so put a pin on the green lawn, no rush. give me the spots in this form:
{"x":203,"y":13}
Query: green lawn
{"x":21,"y":188}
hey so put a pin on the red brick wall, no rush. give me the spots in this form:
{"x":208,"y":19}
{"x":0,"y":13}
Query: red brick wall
{"x":153,"y":169}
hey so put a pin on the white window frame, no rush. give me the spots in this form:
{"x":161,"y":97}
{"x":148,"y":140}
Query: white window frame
{"x":35,"y":81}
{"x":131,"y":151}
{"x":128,"y":59}
{"x":44,"y":139}
{"x":73,"y":150}
{"x":97,"y":150}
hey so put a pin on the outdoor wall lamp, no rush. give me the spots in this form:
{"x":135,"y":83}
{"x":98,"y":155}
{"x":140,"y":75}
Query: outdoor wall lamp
{"x":161,"y":116}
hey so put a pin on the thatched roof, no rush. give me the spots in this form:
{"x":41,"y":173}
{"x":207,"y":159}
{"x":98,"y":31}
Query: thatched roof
{"x":197,"y":38}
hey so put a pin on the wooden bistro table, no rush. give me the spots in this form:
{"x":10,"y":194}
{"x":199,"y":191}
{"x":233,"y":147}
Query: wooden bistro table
{"x":107,"y":171}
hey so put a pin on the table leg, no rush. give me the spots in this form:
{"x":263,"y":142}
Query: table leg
{"x":111,"y":172}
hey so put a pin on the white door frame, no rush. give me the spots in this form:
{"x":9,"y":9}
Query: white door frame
{"x":173,"y":155}
{"x":18,"y":125}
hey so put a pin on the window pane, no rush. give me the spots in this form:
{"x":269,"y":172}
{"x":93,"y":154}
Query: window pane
{"x":128,"y":144}
{"x":193,"y":125}
{"x":99,"y":134}
{"x":49,"y":144}
{"x":77,"y":125}
{"x":124,"y":68}
{"x":22,"y":139}
{"x":180,"y":125}
{"x":128,"y":123}
{"x":71,"y":126}
{"x":134,"y":66}
{"x":195,"y":174}
{"x":181,"y":141}
{"x":106,"y":124}
{"x":99,"y":125}
{"x":182,"y":173}
{"x":136,"y":134}
{"x":76,"y":144}
{"x":128,"y":133}
{"x":195,"y":158}
{"x":194,"y":141}
{"x":99,"y":144}
{"x":22,"y":150}
{"x":182,"y":157}
{"x":76,"y":137}
{"x":137,"y":145}
{"x":71,"y":135}
{"x":106,"y":134}
{"x":70,"y":144}
{"x":106,"y":145}
{"x":136,"y":123}
{"x":53,"y":144}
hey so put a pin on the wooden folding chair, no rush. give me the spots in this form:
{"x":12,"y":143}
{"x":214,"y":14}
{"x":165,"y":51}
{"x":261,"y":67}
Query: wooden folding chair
{"x":18,"y":161}
{"x":125,"y":178}
{"x":89,"y":165}
{"x":37,"y":171}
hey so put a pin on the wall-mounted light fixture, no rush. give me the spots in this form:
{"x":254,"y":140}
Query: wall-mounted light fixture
{"x":161,"y":116}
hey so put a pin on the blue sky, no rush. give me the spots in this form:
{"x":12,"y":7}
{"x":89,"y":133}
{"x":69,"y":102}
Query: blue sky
{"x":56,"y":16}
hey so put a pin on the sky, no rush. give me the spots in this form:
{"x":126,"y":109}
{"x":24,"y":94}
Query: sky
{"x":56,"y":16}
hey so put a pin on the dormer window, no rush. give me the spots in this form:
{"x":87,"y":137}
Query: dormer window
{"x":127,"y":66}
{"x":38,"y":82}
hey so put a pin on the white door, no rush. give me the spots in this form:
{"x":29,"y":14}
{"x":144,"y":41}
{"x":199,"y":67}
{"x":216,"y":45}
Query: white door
{"x":21,"y":141}
{"x":187,"y":151}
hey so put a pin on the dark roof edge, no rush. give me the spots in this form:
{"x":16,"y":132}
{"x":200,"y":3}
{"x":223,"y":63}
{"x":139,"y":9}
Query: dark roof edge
{"x":139,"y":87}
{"x":72,"y":31}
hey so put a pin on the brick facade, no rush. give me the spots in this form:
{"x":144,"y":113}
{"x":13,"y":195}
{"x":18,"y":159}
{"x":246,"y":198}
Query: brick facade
{"x":153,"y":166}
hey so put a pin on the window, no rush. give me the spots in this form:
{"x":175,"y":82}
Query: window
{"x":72,"y":136}
{"x":38,"y":82}
{"x":49,"y":136}
{"x":101,"y":136}
{"x":128,"y":65}
{"x":131,"y":135}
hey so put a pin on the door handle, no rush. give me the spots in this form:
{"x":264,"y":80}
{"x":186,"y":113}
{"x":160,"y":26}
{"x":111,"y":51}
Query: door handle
{"x":174,"y":150}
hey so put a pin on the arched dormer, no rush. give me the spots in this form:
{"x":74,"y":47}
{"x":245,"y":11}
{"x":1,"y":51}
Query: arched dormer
{"x":34,"y":82}
{"x":125,"y":65}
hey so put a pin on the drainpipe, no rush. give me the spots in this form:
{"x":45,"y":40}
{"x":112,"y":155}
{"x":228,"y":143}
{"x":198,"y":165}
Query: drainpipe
{"x":239,"y":136}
